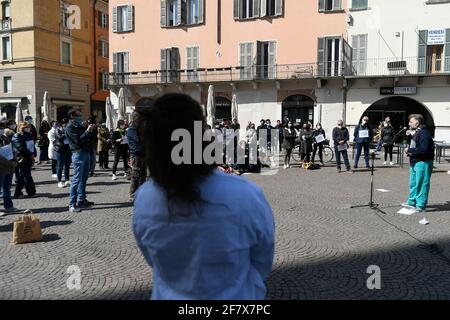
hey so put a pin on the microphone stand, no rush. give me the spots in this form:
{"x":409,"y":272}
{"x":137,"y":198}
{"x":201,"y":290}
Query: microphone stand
{"x":372,"y":205}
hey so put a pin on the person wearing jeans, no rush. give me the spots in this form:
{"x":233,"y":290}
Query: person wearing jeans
{"x":363,"y":137}
{"x":341,"y":137}
{"x":138,"y":169}
{"x":421,"y":155}
{"x":62,"y":155}
{"x":79,"y":139}
{"x":6,"y":173}
{"x":120,"y":142}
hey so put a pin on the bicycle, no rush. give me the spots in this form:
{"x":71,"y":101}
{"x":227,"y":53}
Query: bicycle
{"x":328,"y":153}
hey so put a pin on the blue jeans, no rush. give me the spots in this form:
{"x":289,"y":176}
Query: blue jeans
{"x":63,"y":163}
{"x":359,"y":147}
{"x":5,"y":183}
{"x":93,"y":157}
{"x":81,"y":164}
{"x":338,"y":158}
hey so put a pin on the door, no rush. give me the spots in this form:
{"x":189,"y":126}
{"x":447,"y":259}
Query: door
{"x":434,"y":58}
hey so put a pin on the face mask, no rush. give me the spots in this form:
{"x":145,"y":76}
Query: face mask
{"x":79,"y":120}
{"x":290,"y":125}
{"x":318,"y":128}
{"x":340,"y":126}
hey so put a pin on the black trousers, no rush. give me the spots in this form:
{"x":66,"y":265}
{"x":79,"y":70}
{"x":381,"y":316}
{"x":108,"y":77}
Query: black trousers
{"x":388,"y":150}
{"x":138,"y":174}
{"x":318,"y":146}
{"x":54,"y":163}
{"x":287,"y":157}
{"x":120,"y":153}
{"x":103,"y":159}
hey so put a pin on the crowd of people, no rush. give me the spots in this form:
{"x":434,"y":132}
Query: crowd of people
{"x":71,"y":144}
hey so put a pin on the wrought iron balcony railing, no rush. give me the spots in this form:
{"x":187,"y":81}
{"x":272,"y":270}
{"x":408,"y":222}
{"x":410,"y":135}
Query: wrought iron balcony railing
{"x":229,"y":74}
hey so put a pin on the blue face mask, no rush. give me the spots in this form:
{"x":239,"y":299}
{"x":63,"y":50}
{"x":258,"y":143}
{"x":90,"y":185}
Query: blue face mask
{"x":79,"y":120}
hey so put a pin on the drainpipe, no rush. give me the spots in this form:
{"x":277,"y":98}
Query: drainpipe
{"x":95,"y":53}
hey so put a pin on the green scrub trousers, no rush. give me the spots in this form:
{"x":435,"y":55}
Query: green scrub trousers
{"x":419,"y":183}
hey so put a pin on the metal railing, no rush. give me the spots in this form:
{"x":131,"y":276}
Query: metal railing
{"x":398,"y":66}
{"x":229,"y":74}
{"x":358,"y":68}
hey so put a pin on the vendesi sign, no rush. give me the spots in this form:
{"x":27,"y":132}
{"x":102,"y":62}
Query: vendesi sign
{"x":436,"y":37}
{"x":398,"y":90}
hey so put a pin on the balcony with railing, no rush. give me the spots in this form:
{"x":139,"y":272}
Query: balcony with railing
{"x":229,"y":74}
{"x":414,"y":66}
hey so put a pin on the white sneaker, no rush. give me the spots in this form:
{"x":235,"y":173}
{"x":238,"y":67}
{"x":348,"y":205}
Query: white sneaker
{"x":67,"y":184}
{"x":424,"y":221}
{"x":114,"y":177}
{"x":392,"y":163}
{"x":54,"y":176}
{"x":385,"y":163}
{"x":61,"y":185}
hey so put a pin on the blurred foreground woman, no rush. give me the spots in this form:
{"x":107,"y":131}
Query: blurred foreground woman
{"x":206,"y":235}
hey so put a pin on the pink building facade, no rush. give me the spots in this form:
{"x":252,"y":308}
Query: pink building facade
{"x":282,"y":58}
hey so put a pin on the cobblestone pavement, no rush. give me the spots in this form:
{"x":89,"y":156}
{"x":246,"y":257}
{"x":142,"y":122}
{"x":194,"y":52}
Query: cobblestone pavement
{"x":323,"y":247}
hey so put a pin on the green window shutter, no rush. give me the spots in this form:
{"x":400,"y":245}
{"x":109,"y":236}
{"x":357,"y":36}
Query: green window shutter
{"x":423,"y":40}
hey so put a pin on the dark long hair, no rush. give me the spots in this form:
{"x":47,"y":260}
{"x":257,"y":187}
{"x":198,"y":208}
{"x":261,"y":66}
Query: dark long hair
{"x":169,"y":113}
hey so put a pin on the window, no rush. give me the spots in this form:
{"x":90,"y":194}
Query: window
{"x":193,"y":13}
{"x":182,"y":12}
{"x":7,"y":85}
{"x":103,"y":48}
{"x":359,"y":4}
{"x":6,"y":48}
{"x":66,"y":87}
{"x":192,"y":63}
{"x":246,"y":60}
{"x":121,"y":61}
{"x":247,"y":9}
{"x":6,"y":10}
{"x":123,"y":19}
{"x":103,"y":79}
{"x":66,"y":52}
{"x":329,"y":56}
{"x":266,"y":60}
{"x":434,"y":51}
{"x":170,"y":64}
{"x":330,"y":5}
{"x":359,"y":45}
{"x":103,"y":20}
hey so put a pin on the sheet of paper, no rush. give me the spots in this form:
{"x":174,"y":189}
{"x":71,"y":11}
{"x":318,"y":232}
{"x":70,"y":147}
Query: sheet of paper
{"x":30,"y":145}
{"x":6,"y":152}
{"x":320,"y":138}
{"x":363,"y":133}
{"x":383,"y":190}
{"x":407,"y":212}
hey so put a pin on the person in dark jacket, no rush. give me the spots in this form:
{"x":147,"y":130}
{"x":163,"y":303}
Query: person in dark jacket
{"x":33,"y":131}
{"x":79,"y":139}
{"x":280,"y":127}
{"x":7,"y":168}
{"x":120,"y":142}
{"x":138,"y":170}
{"x":319,"y":137}
{"x":421,"y":155}
{"x":387,"y":140}
{"x":306,"y":142}
{"x":288,"y":144}
{"x":24,"y":151}
{"x":94,"y":142}
{"x":341,"y":137}
{"x":62,"y":152}
{"x":363,"y":137}
{"x":44,"y":142}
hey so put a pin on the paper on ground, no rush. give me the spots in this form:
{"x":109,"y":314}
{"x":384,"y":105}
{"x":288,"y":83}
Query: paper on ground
{"x":407,"y":211}
{"x":383,"y":190}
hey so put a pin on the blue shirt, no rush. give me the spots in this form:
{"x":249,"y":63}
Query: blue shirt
{"x":224,"y":251}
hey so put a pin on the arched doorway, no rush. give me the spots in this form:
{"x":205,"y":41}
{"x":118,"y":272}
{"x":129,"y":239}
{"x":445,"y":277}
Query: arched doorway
{"x":299,"y":109}
{"x":223,"y":108}
{"x":398,"y":109}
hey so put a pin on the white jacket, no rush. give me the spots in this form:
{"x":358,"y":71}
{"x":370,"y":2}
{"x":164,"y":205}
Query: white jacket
{"x":52,"y":137}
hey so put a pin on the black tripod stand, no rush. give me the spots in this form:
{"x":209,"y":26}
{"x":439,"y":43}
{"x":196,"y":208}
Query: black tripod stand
{"x":372,"y":205}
